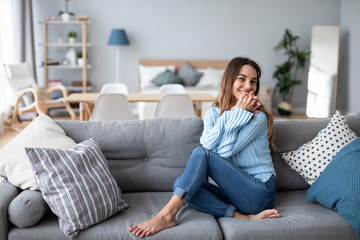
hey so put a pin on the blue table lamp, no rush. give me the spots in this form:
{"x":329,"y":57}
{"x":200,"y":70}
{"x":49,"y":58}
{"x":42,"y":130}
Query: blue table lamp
{"x":118,"y":38}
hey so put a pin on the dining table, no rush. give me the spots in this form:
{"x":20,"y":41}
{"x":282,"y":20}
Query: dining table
{"x":87,"y":100}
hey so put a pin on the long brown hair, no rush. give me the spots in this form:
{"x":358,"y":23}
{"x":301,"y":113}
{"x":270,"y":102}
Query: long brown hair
{"x":226,"y":100}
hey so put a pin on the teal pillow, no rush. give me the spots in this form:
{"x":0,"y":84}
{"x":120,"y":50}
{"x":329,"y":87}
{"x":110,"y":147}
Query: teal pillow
{"x":166,"y":77}
{"x":338,"y":186}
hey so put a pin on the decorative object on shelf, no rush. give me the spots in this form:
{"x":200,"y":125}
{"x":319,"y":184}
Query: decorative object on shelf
{"x":50,"y":62}
{"x":286,"y":73}
{"x":60,"y":39}
{"x":80,"y":59}
{"x":71,"y":55}
{"x":66,"y":15}
{"x":81,"y":18}
{"x":118,"y":38}
{"x":72,"y":37}
{"x":65,"y":62}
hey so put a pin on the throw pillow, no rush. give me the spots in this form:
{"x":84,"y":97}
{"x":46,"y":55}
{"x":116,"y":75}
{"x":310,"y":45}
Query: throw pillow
{"x":166,"y":77}
{"x":42,"y":132}
{"x":77,"y":185}
{"x":212,"y":77}
{"x":149,"y":72}
{"x":311,"y":158}
{"x":27,"y":209}
{"x":338,"y":187}
{"x":189,"y":75}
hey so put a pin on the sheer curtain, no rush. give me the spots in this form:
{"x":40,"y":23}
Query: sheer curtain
{"x":16,"y":45}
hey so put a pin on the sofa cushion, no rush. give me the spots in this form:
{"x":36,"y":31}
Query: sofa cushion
{"x":42,"y":132}
{"x":77,"y":185}
{"x":189,"y":75}
{"x":299,"y":220}
{"x":289,"y":136}
{"x":27,"y":209}
{"x":166,"y":77}
{"x":312,"y":157}
{"x":140,"y":151}
{"x":338,"y":187}
{"x":192,"y":224}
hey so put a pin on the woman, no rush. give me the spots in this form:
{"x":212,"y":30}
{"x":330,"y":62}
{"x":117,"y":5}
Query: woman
{"x":234,"y":153}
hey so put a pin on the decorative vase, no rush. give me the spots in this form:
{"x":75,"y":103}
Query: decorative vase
{"x":65,"y":17}
{"x":285,"y":108}
{"x":71,"y":55}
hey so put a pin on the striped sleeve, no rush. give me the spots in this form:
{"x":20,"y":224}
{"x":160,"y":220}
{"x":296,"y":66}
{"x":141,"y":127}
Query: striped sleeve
{"x":244,"y":136}
{"x":222,"y":130}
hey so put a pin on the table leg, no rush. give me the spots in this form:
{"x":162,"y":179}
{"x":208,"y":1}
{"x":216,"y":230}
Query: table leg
{"x":197,"y":107}
{"x":82,"y":111}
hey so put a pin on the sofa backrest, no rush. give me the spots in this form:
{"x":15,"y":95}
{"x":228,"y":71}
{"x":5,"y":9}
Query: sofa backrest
{"x":290,"y":135}
{"x":143,"y":155}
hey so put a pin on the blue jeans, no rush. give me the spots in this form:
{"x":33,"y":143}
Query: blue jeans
{"x":236,"y":189}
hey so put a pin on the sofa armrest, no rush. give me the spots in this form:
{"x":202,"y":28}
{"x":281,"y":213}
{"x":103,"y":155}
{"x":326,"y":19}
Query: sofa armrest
{"x":7,"y":193}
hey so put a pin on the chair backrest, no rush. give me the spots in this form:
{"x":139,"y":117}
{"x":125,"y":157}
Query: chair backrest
{"x":19,"y":76}
{"x":174,"y":105}
{"x":172,"y":88}
{"x":114,"y":88}
{"x":111,"y":107}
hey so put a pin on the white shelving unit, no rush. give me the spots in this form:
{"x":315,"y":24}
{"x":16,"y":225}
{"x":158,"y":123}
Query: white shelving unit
{"x":83,"y":45}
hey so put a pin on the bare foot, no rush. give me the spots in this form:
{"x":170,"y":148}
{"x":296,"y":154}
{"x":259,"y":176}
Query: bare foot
{"x":153,"y":225}
{"x":269,"y":213}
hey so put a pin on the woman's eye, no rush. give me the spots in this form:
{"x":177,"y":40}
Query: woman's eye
{"x":254,"y":82}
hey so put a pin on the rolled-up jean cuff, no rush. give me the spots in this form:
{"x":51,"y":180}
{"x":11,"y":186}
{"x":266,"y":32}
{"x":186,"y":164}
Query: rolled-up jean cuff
{"x":181,"y":193}
{"x":230,"y":211}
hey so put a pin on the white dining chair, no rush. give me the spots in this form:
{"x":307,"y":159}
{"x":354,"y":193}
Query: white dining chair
{"x":174,"y":105}
{"x":111,"y":107}
{"x":114,"y":88}
{"x":172,"y":88}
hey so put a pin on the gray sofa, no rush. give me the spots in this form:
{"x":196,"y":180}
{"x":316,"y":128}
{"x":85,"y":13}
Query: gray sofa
{"x":146,"y":156}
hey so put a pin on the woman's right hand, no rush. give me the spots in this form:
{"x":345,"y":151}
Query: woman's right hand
{"x":248,"y":102}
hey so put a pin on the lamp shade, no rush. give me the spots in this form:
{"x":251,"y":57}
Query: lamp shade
{"x":118,"y":37}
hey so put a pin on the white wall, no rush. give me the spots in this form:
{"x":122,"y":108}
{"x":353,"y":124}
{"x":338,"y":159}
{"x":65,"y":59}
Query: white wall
{"x":191,"y":29}
{"x":349,"y":80}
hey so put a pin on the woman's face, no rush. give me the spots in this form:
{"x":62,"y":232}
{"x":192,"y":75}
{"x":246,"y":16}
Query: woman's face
{"x":245,"y":81}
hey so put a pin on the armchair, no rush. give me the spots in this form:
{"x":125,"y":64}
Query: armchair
{"x":30,"y":98}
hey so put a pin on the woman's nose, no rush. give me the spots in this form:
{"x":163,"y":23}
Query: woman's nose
{"x":247,"y":85}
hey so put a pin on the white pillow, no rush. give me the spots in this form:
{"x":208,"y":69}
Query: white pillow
{"x":211,"y":77}
{"x":14,"y":164}
{"x":311,"y":159}
{"x":147,"y":73}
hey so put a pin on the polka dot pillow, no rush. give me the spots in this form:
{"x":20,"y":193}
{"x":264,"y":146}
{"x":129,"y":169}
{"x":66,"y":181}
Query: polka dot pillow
{"x":312,"y":158}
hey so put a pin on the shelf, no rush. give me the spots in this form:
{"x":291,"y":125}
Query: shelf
{"x":67,"y":66}
{"x":65,"y":44}
{"x":62,"y":22}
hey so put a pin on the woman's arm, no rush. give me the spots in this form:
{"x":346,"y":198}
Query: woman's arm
{"x":218,"y":130}
{"x":247,"y":134}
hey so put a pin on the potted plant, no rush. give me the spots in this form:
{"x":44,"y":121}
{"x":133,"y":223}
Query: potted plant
{"x":72,"y":37}
{"x":66,"y":15}
{"x":286,"y":73}
{"x":80,"y":59}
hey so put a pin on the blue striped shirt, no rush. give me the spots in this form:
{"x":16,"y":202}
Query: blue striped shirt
{"x":240,"y":137}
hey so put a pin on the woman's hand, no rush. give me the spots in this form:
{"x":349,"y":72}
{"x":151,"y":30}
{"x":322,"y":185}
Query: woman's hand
{"x":248,"y":102}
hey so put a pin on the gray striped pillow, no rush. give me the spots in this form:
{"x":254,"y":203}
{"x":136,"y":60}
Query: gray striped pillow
{"x":77,"y":185}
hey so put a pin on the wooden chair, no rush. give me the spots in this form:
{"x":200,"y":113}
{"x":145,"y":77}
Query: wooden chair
{"x":30,"y":98}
